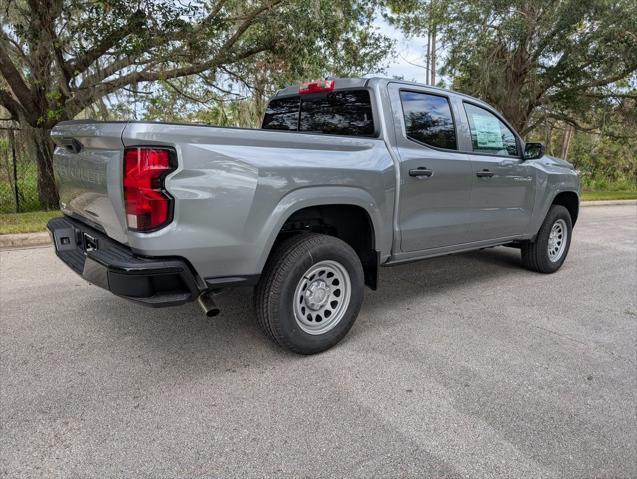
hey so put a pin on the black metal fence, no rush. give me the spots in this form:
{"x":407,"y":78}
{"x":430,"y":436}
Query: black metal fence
{"x":18,"y":172}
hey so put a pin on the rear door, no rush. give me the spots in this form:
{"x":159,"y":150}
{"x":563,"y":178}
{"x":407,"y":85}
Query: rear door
{"x":503,"y":184}
{"x":87,"y":163}
{"x":435,"y":177}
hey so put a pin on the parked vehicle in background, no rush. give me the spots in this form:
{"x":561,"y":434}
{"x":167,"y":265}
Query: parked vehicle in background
{"x":344,"y":176}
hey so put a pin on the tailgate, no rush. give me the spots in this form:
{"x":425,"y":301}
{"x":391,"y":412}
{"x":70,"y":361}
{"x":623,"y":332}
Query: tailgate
{"x":88,"y":170}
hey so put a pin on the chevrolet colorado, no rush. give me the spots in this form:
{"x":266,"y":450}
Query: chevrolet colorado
{"x":344,"y":176}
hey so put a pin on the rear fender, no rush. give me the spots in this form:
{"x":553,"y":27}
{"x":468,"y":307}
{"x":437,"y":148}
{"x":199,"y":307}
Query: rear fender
{"x":319,"y":196}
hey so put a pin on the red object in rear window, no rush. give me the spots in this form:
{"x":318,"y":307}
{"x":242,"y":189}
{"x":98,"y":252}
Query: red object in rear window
{"x":316,"y":86}
{"x":148,"y":206}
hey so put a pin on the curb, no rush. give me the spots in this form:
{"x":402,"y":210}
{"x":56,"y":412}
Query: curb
{"x":24,"y":240}
{"x":608,"y":202}
{"x":42,"y":238}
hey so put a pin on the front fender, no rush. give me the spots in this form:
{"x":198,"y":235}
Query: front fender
{"x":553,"y":177}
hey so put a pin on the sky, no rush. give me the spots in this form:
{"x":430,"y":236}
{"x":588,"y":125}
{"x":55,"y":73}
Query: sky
{"x":408,"y":50}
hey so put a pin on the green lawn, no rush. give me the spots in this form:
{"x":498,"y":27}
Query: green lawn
{"x":609,"y":195}
{"x":25,"y":222}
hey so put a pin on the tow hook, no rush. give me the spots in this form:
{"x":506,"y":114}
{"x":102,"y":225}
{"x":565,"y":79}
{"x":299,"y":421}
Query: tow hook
{"x":207,"y":302}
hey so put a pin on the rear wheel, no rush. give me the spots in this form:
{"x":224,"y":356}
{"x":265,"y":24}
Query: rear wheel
{"x":310,"y":292}
{"x":549,"y":250}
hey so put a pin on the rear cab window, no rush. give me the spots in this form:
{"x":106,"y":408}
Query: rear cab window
{"x":340,"y":112}
{"x":282,"y":114}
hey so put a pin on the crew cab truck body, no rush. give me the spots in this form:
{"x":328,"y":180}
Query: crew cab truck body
{"x":345,"y":176}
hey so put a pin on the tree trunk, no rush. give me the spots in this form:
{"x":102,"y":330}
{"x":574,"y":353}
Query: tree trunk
{"x":566,"y":142}
{"x":47,"y":191}
{"x":548,"y":138}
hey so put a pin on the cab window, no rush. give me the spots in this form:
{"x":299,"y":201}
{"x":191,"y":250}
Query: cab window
{"x":282,"y":114}
{"x":343,"y":112}
{"x":489,"y":134}
{"x":428,"y":119}
{"x":347,"y":112}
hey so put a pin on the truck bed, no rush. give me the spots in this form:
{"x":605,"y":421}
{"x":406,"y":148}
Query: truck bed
{"x":227,"y":187}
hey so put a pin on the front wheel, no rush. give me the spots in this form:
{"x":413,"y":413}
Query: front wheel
{"x":310,"y":292}
{"x":548,"y":252}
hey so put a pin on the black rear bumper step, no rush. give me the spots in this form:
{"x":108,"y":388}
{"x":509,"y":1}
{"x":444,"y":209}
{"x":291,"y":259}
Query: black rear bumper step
{"x":110,"y":265}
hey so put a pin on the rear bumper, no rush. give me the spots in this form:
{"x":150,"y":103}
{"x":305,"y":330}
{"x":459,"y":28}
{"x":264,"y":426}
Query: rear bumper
{"x":99,"y":260}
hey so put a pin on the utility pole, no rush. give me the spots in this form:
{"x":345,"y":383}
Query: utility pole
{"x":433,"y":55}
{"x":428,"y":58}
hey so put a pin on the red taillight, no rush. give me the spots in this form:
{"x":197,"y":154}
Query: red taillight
{"x":316,"y":86}
{"x":148,"y":206}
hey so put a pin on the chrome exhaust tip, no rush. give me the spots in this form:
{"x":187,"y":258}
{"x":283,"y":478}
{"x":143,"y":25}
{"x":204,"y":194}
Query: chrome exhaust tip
{"x":207,"y":302}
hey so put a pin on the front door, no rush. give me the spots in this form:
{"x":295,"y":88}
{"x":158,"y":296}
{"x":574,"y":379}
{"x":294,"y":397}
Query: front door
{"x":435,"y":178}
{"x":503,"y":184}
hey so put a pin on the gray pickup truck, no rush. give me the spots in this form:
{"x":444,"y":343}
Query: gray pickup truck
{"x":344,"y":176}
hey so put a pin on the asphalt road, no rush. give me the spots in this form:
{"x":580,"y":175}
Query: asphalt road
{"x":464,"y":366}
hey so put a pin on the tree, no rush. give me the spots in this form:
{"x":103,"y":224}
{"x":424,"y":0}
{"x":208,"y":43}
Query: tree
{"x":353,"y":49}
{"x":554,"y":57}
{"x":60,"y":57}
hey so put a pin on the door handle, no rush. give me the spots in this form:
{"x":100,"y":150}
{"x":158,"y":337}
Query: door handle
{"x":484,"y":174}
{"x":421,"y":171}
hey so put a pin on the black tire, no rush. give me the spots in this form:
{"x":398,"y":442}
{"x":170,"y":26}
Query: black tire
{"x":274,"y":296}
{"x":535,"y":254}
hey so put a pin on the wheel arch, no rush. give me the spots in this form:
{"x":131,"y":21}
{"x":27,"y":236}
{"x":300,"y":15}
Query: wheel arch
{"x":570,"y":201}
{"x":338,"y":211}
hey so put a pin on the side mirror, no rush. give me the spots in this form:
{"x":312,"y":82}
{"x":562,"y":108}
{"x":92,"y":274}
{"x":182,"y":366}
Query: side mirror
{"x":533,"y":151}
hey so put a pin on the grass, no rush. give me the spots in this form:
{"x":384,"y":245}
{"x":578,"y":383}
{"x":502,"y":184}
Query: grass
{"x":25,"y":222}
{"x":27,"y":189}
{"x":609,"y":195}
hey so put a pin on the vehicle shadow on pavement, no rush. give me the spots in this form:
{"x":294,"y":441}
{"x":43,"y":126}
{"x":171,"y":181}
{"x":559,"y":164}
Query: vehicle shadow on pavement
{"x":446,"y":273}
{"x":187,"y":332}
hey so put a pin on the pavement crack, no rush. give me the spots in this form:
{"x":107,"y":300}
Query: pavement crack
{"x":557,"y":333}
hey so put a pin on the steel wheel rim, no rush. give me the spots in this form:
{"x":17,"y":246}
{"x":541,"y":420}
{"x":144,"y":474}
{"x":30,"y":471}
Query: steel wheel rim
{"x":321,"y":297}
{"x":557,"y":240}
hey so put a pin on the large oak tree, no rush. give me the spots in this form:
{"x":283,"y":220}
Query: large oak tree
{"x":533,"y":58}
{"x":60,"y":57}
